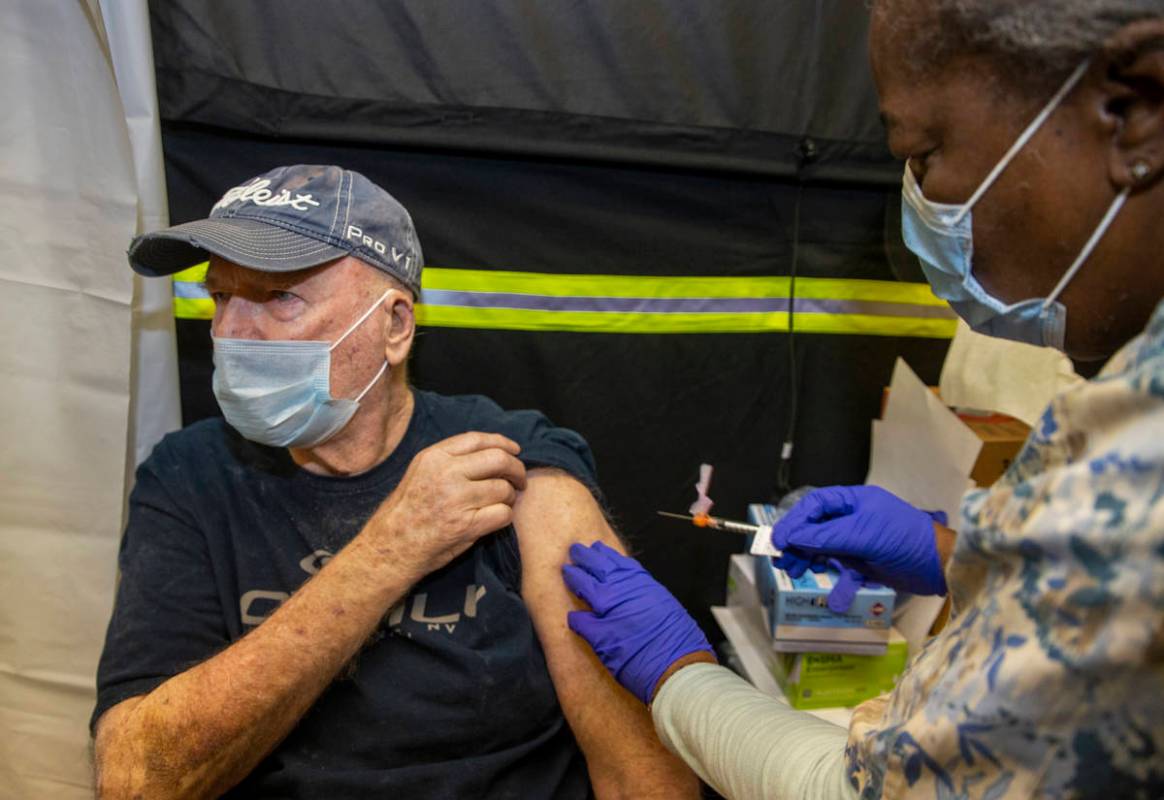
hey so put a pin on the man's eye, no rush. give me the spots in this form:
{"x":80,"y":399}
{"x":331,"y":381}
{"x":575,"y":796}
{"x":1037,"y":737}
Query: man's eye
{"x":219,"y":297}
{"x":284,"y":297}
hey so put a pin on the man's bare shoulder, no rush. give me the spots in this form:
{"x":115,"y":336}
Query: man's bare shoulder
{"x":555,"y":511}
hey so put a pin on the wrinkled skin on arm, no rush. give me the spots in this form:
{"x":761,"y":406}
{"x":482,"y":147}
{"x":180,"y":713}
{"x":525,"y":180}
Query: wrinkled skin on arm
{"x":615,"y":731}
{"x":203,"y":730}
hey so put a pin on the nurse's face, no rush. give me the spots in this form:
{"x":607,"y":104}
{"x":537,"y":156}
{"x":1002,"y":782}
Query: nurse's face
{"x":955,"y":122}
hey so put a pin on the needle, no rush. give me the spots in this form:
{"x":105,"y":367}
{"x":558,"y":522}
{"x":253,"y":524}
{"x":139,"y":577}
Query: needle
{"x":687,"y":517}
{"x":715,"y":523}
{"x":761,"y":541}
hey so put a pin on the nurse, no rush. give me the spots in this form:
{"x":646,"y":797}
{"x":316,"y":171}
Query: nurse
{"x":1033,"y":135}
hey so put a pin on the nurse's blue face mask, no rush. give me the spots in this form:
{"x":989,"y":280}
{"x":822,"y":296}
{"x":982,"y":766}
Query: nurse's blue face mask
{"x":941,"y":235}
{"x":278,"y":393}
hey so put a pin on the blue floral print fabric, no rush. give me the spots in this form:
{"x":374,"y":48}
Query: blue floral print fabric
{"x":1048,"y":680}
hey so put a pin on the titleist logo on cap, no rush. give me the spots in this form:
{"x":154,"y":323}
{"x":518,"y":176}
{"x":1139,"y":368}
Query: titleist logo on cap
{"x":257,"y":192}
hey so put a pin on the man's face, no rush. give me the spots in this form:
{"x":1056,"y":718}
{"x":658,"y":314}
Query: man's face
{"x":316,"y":304}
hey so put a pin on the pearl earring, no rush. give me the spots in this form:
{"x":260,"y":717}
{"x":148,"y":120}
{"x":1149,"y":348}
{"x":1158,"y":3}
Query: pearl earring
{"x":1140,"y":170}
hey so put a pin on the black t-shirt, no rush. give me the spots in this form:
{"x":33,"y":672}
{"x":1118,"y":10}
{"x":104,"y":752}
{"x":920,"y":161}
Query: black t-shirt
{"x":451,"y":699}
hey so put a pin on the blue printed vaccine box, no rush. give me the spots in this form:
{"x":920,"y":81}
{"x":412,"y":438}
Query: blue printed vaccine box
{"x":798,"y":609}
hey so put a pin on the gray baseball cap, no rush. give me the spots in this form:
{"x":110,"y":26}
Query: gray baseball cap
{"x":292,"y":218}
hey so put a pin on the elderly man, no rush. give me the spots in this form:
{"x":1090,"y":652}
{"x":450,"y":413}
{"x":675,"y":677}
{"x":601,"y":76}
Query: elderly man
{"x":350,"y":588}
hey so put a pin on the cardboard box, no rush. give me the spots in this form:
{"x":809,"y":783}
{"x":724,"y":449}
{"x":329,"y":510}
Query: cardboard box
{"x":754,"y":658}
{"x":825,"y":680}
{"x":797,"y":608}
{"x":741,"y":582}
{"x":742,"y":593}
{"x":743,"y":596}
{"x":817,"y":646}
{"x":1002,"y":439}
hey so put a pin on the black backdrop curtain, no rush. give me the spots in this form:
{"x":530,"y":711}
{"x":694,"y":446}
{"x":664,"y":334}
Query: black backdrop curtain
{"x":663,"y":139}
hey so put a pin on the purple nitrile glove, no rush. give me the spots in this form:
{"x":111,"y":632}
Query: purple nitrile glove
{"x":849,"y":582}
{"x":796,"y":565}
{"x":872,"y":534}
{"x":637,"y":628}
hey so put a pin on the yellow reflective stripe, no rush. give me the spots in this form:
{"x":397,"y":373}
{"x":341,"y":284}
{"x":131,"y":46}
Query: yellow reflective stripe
{"x":607,"y":322}
{"x":545,"y":284}
{"x":548,"y":284}
{"x":873,"y":325}
{"x":194,"y":274}
{"x":469,"y":280}
{"x":193,"y":308}
{"x":618,"y":322}
{"x":874,"y":291}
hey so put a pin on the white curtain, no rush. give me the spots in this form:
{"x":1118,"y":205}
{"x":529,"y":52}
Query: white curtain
{"x":155,"y":400}
{"x":79,"y":175}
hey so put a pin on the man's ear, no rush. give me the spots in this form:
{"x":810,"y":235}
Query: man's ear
{"x":400,"y":327}
{"x":1135,"y":102}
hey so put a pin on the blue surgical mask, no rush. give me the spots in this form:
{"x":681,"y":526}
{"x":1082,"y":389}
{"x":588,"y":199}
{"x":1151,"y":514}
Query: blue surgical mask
{"x":278,"y":393}
{"x":941,"y":235}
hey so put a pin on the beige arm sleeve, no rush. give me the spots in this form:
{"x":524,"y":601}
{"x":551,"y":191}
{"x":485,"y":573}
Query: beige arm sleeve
{"x":746,"y":744}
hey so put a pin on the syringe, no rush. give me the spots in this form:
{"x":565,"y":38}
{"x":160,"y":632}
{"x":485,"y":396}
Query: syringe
{"x":761,"y":542}
{"x":718,"y":523}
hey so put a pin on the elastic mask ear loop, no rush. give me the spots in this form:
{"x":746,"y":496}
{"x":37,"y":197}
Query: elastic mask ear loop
{"x":383,"y":369}
{"x":356,"y":324}
{"x":1023,"y":138}
{"x":360,"y":321}
{"x":1100,"y":230}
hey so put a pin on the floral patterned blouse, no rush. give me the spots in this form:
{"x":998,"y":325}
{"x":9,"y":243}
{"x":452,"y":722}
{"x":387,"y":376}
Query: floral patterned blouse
{"x":1048,"y":680}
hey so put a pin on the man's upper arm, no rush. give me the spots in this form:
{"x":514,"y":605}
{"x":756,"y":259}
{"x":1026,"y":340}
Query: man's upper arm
{"x":614,"y":730}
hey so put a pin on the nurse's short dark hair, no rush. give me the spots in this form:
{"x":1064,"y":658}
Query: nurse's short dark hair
{"x":1043,"y":39}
